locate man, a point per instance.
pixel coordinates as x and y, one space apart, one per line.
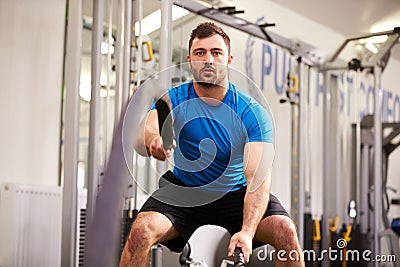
221 140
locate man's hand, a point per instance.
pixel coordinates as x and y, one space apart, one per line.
156 148
244 241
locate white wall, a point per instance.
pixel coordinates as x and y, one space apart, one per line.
31 64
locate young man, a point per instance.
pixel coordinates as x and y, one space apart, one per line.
221 144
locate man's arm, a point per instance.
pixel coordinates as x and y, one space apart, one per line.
258 158
148 140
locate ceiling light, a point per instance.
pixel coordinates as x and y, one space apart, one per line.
378 39
371 47
152 22
387 25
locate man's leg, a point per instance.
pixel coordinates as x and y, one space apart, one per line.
280 232
149 228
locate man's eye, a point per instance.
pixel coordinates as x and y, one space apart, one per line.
217 53
199 53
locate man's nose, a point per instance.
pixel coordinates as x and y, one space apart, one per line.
209 58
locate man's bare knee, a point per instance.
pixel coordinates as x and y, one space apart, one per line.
279 231
148 229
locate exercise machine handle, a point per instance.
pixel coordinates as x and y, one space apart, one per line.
238 258
165 123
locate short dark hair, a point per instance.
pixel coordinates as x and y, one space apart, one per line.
207 29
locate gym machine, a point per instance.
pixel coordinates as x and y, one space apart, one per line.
374 63
364 152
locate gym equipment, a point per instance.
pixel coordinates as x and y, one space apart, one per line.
239 258
364 141
165 123
214 254
195 253
293 86
375 64
364 153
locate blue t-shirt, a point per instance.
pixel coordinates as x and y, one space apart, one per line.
211 138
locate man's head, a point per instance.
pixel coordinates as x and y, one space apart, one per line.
209 55
207 29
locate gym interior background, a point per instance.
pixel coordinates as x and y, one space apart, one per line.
69 68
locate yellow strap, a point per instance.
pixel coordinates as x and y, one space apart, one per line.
317 227
149 50
333 225
346 235
295 83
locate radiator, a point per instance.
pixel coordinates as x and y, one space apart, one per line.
81 231
30 225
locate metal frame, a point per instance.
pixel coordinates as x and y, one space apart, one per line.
388 146
72 78
94 124
374 63
165 56
310 55
297 160
108 240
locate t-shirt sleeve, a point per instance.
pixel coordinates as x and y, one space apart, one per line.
258 124
173 95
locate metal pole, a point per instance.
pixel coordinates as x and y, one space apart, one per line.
137 16
355 38
377 159
166 30
165 54
295 183
326 162
119 48
107 122
126 60
94 127
364 187
72 78
356 183
301 139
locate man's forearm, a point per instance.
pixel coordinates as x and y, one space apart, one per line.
255 205
256 159
147 131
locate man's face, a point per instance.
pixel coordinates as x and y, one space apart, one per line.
209 60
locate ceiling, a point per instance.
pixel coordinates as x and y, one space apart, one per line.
346 17
350 18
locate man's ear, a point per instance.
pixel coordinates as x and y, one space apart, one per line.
188 58
230 59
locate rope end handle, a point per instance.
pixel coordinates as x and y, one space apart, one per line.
238 257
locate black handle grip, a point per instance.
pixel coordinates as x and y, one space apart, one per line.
165 123
238 258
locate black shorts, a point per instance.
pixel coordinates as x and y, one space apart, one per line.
226 212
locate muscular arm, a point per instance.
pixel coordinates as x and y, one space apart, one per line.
257 162
258 157
148 140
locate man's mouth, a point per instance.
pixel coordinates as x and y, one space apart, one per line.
208 70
